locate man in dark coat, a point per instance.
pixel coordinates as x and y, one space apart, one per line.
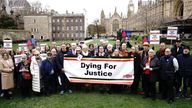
64 82
47 70
185 70
137 69
176 50
168 67
160 53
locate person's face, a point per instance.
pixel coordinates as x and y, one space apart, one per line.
91 47
151 54
118 42
123 46
37 55
78 51
162 46
145 48
101 49
116 52
5 56
167 52
73 47
85 49
63 47
186 51
133 50
49 57
178 44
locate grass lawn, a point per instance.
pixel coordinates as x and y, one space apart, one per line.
91 100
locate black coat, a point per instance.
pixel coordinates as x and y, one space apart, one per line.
174 51
137 63
154 64
185 64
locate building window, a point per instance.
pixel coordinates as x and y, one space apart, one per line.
58 28
76 27
53 34
80 20
63 35
71 20
54 28
67 27
67 34
53 20
34 21
57 20
67 20
115 25
76 20
71 27
81 28
76 34
71 34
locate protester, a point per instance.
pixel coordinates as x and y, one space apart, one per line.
24 76
7 68
37 83
185 71
168 67
123 50
91 50
47 70
150 67
117 45
64 82
137 70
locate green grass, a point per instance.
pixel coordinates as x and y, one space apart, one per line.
91 100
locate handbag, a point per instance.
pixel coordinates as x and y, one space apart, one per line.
26 75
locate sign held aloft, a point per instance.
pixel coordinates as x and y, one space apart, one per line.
172 33
155 37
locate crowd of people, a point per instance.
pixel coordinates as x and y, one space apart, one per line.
170 67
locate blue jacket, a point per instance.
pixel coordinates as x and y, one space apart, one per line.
47 67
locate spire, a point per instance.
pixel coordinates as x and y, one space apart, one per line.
115 10
102 14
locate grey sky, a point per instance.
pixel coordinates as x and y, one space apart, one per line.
93 7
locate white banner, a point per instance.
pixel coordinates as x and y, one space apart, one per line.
17 58
172 33
7 44
23 47
155 37
99 70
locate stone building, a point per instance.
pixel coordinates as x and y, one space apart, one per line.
113 23
40 26
68 26
160 14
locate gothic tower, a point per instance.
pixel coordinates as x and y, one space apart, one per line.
102 17
131 8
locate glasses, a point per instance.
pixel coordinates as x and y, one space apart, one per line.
36 54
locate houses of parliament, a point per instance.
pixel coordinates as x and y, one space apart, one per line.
151 15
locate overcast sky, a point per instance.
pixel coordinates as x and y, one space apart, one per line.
93 7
